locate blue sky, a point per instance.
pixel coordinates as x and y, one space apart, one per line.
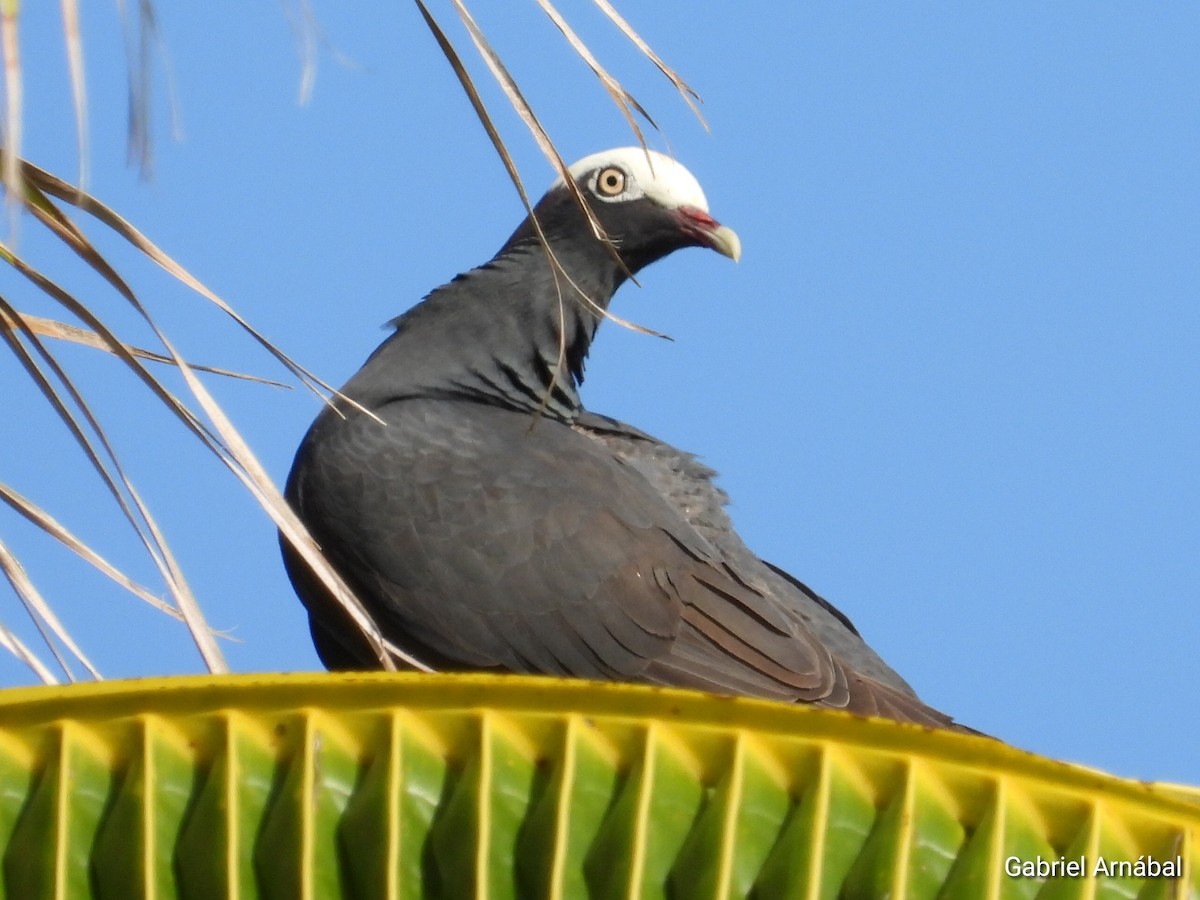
952 384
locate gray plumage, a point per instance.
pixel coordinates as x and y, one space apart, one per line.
489 521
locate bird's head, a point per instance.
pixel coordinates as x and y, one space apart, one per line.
648 204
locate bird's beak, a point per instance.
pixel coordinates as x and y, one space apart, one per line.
725 241
709 232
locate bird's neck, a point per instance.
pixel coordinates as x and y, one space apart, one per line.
514 332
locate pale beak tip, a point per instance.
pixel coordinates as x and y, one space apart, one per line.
726 242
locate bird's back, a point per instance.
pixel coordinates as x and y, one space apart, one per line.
690 486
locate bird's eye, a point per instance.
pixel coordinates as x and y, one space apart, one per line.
610 182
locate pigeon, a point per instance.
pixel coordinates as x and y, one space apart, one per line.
488 521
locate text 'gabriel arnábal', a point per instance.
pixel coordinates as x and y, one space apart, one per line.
1080 867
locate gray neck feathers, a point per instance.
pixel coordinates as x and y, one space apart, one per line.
504 333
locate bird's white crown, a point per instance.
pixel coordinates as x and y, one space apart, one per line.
648 173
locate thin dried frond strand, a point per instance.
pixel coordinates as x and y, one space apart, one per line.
55 187
233 452
153 539
509 85
690 97
477 104
543 139
168 70
14 645
142 37
525 111
12 320
304 28
137 76
118 482
624 100
55 529
143 523
10 49
278 509
73 41
75 427
41 613
74 334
